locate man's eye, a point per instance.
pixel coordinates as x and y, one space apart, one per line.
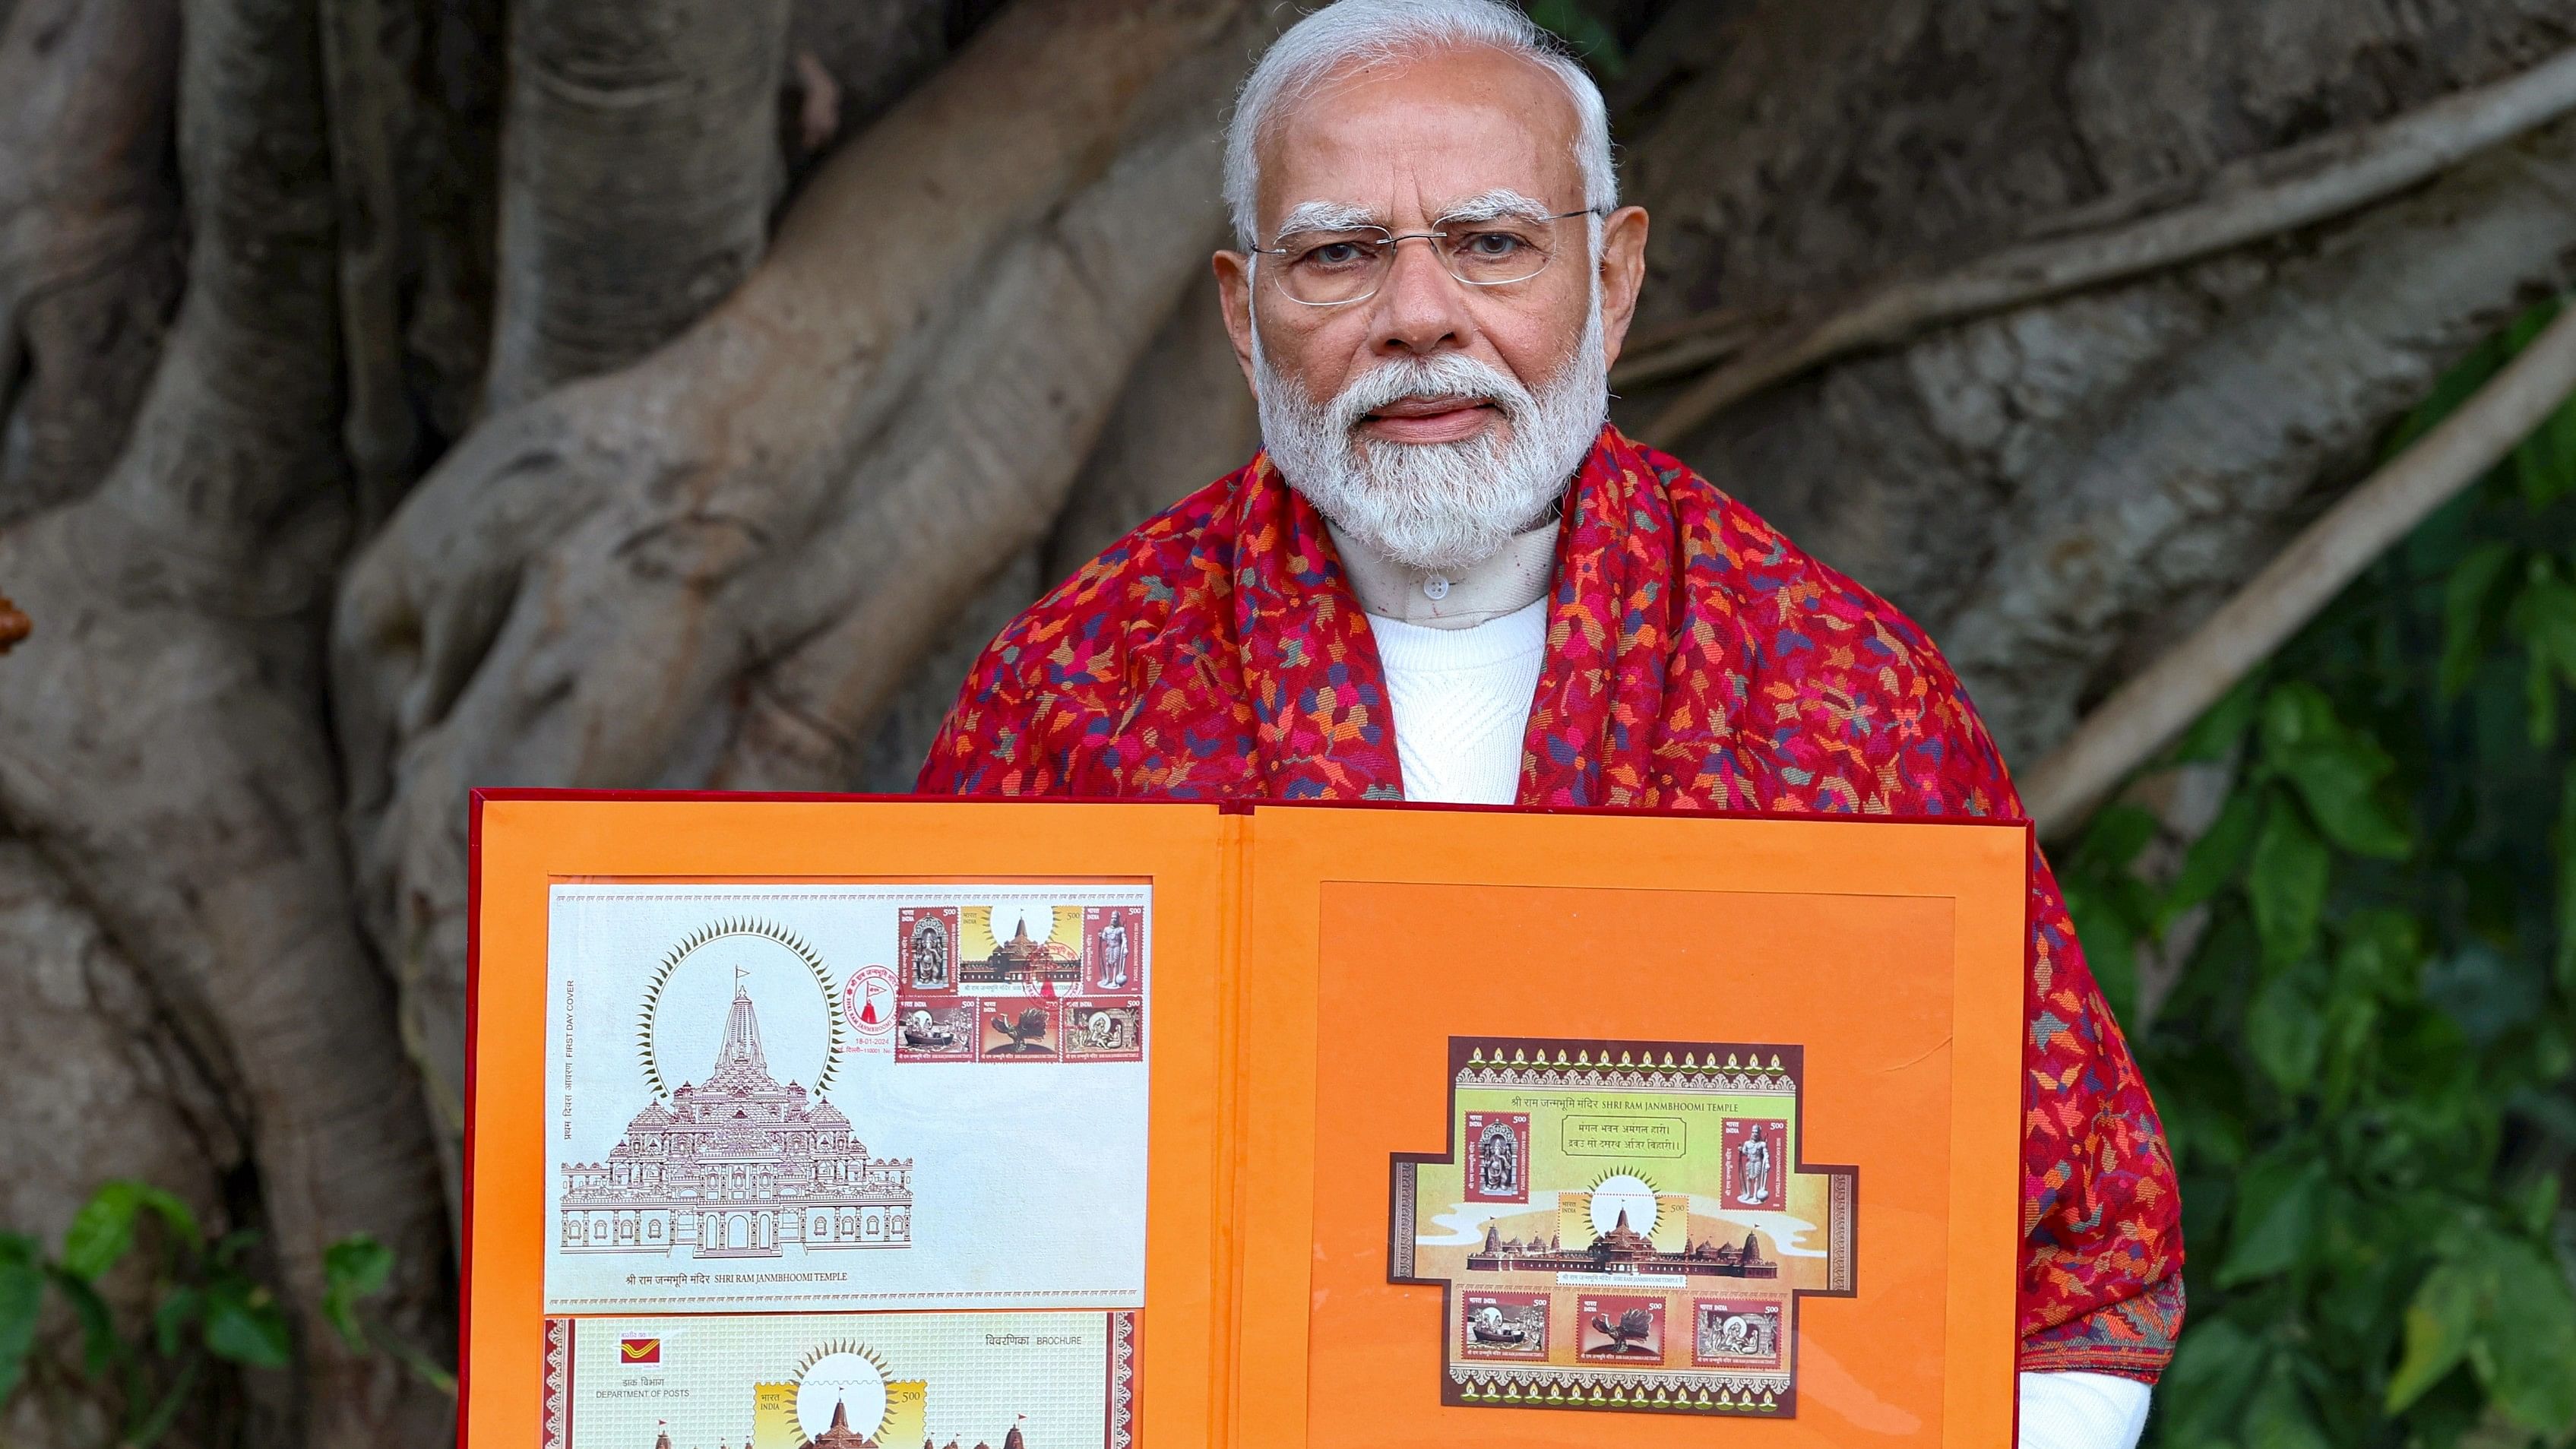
1335 254
1488 246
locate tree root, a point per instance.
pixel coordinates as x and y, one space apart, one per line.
2261 197
687 571
638 167
2156 498
2158 703
162 738
89 220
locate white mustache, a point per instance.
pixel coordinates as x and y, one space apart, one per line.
1451 375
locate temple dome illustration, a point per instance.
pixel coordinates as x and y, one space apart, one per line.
740 1166
840 1435
1025 960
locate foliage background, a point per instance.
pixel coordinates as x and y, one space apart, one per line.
2353 988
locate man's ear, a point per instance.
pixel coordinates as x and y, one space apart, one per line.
1623 273
1234 291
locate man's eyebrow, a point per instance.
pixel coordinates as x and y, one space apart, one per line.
1493 205
1326 216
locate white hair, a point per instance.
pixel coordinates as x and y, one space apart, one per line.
1357 35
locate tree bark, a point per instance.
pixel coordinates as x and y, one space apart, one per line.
638 167
1951 474
716 565
1185 420
102 1085
89 218
161 738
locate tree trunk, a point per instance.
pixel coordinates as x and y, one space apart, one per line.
638 166
717 565
161 739
89 262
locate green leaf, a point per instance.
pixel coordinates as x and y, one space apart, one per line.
2472 611
2285 1029
2281 1417
2216 857
157 1423
2286 882
2116 835
102 1231
176 1215
101 1347
22 1301
2438 1320
2563 841
2462 382
2545 462
353 1268
243 1324
2215 1368
2214 736
2109 948
2525 1350
2275 1218
2543 616
2336 770
170 1321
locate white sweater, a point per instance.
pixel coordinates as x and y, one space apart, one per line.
1462 700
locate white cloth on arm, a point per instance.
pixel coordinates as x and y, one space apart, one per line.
1461 699
2081 1411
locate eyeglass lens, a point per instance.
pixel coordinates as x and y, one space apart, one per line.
1346 265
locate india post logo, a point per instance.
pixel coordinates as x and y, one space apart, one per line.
639 1350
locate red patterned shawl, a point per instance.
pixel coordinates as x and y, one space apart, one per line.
1696 660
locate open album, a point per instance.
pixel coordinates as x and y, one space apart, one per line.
1049 1125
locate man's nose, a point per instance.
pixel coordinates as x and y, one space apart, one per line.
1421 309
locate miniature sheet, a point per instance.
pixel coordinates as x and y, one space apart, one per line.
1623 1225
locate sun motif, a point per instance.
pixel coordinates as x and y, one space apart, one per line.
709 935
982 930
843 1374
1616 1192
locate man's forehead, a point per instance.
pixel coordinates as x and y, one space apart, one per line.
1425 134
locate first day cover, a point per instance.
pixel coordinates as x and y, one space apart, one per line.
802 1098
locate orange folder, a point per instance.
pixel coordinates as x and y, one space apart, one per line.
840 1121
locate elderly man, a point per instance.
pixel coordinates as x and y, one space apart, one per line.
1444 578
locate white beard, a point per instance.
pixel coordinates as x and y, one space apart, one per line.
1437 507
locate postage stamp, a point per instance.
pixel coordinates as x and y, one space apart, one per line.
1498 1156
1620 1328
1105 1028
933 1029
1019 1031
926 944
1112 938
1753 1162
1651 1189
1503 1325
1735 1332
